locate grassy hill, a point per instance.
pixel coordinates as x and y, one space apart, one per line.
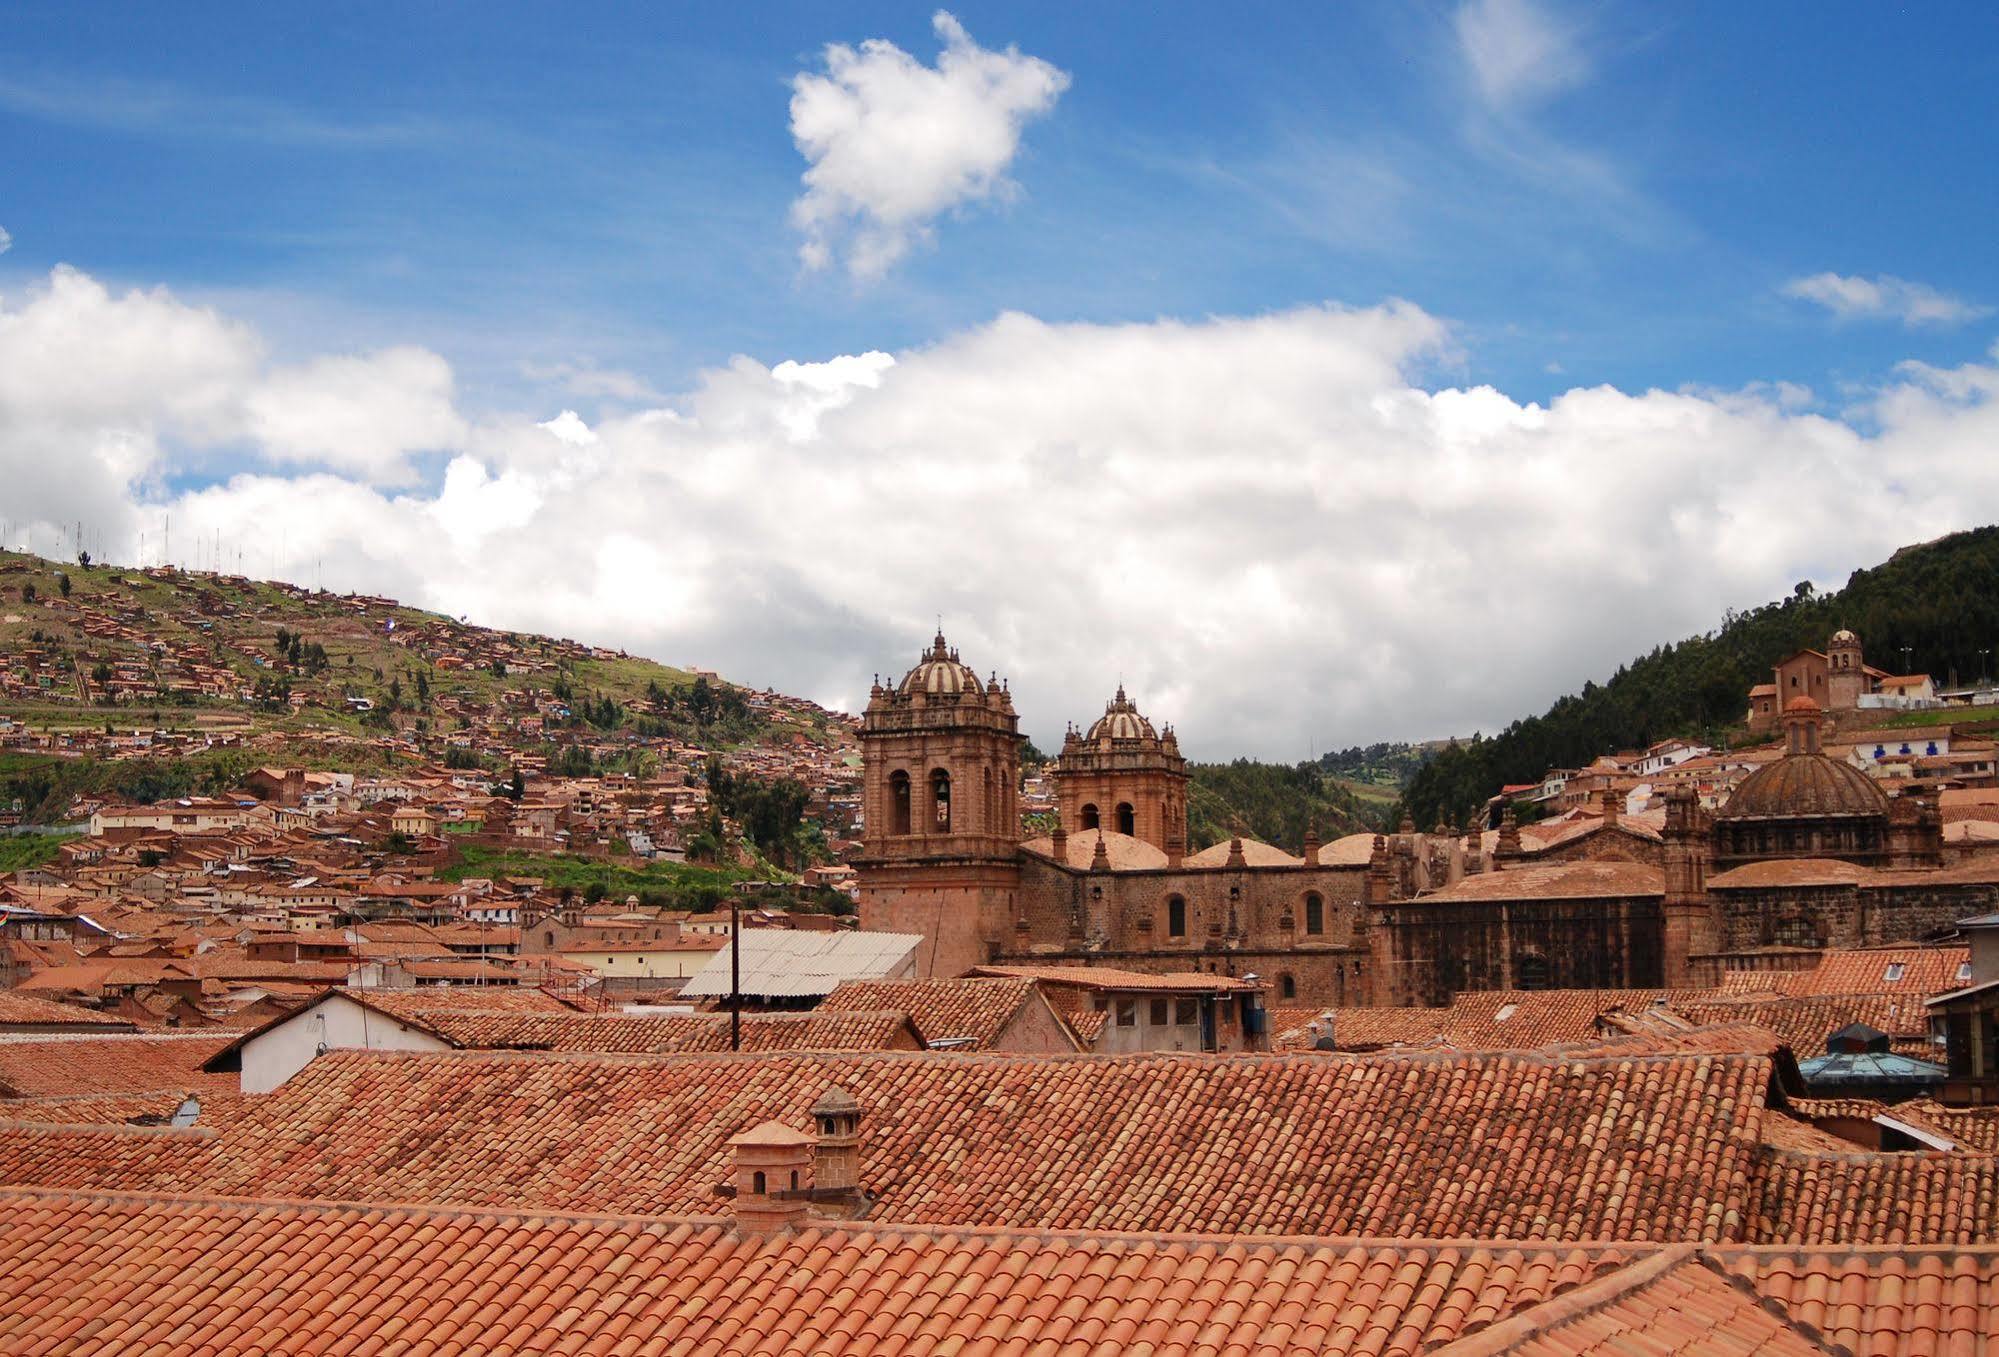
1939 600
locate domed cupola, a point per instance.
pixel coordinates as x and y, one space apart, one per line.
1804 804
1121 721
940 673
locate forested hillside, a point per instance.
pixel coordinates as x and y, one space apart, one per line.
1939 599
1273 802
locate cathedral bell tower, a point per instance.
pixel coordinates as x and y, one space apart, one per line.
940 786
1123 776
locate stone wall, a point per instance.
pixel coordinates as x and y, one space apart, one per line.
1425 953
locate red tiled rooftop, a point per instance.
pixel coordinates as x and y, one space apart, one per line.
52 1066
211 1276
1494 1146
974 1009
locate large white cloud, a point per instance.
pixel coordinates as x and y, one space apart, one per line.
104 393
893 144
1270 527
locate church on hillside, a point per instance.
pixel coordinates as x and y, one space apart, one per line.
1808 854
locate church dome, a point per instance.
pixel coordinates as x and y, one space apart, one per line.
1804 785
1843 637
940 673
1121 721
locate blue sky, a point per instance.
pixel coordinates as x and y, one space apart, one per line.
1185 345
503 182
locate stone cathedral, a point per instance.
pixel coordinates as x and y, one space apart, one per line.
1807 854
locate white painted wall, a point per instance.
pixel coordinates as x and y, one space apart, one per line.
338 1023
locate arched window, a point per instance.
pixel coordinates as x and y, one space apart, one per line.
990 821
940 797
1127 819
1315 913
1090 817
898 803
794 1180
757 1182
1530 971
1287 986
549 937
1176 917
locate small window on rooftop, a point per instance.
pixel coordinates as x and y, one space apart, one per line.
1895 969
1505 1011
1964 970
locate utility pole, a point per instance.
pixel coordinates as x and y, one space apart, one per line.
735 972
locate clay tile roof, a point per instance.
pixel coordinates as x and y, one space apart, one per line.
25 1010
127 1274
1881 1302
640 1034
972 1010
1672 1302
1506 1146
1821 1198
1922 970
1805 1021
53 1066
1494 1020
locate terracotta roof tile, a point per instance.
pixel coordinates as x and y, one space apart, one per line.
1494 1146
640 1035
1490 1020
51 1066
1941 1198
976 1010
26 1010
1882 1302
122 1273
1673 1302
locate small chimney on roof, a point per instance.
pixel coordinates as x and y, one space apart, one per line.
836 1162
1612 804
773 1165
1311 846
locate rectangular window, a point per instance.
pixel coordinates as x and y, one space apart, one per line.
1127 1013
1102 1005
1186 1012
1159 1011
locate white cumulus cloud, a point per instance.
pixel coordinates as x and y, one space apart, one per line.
1273 528
1884 297
893 143
6 240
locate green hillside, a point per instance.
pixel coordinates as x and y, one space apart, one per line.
1270 801
1940 600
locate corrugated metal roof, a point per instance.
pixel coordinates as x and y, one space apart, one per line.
783 963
